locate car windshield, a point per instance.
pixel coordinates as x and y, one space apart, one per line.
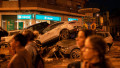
52 27
39 27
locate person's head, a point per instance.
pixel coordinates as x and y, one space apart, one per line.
18 40
36 33
28 34
82 35
95 46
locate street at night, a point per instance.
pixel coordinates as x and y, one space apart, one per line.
59 34
114 56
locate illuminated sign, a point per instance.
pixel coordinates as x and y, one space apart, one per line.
44 17
24 16
71 19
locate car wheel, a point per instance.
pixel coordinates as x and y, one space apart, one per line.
64 34
75 53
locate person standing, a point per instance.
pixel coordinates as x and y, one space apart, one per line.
21 58
30 46
82 35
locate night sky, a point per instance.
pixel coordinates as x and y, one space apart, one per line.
104 5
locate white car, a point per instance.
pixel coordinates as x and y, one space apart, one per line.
107 37
59 30
10 34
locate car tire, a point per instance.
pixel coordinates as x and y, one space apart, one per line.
75 53
64 34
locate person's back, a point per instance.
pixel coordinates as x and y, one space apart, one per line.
30 46
31 49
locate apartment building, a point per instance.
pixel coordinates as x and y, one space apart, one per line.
19 14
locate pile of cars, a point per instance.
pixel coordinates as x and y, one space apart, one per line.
55 35
59 30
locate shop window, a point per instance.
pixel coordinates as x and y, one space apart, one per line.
78 6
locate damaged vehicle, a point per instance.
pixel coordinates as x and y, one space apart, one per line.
59 30
64 49
69 47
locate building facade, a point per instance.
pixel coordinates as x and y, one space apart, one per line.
18 14
115 25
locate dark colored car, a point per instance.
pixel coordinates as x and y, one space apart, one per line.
69 47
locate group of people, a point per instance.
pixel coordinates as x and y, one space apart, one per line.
25 51
93 49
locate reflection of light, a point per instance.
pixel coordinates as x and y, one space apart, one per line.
97 15
19 16
3 21
30 22
17 24
24 24
37 21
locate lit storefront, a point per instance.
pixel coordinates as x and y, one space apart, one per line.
71 19
9 22
46 18
21 21
24 21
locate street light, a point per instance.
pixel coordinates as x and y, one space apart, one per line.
97 15
97 19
